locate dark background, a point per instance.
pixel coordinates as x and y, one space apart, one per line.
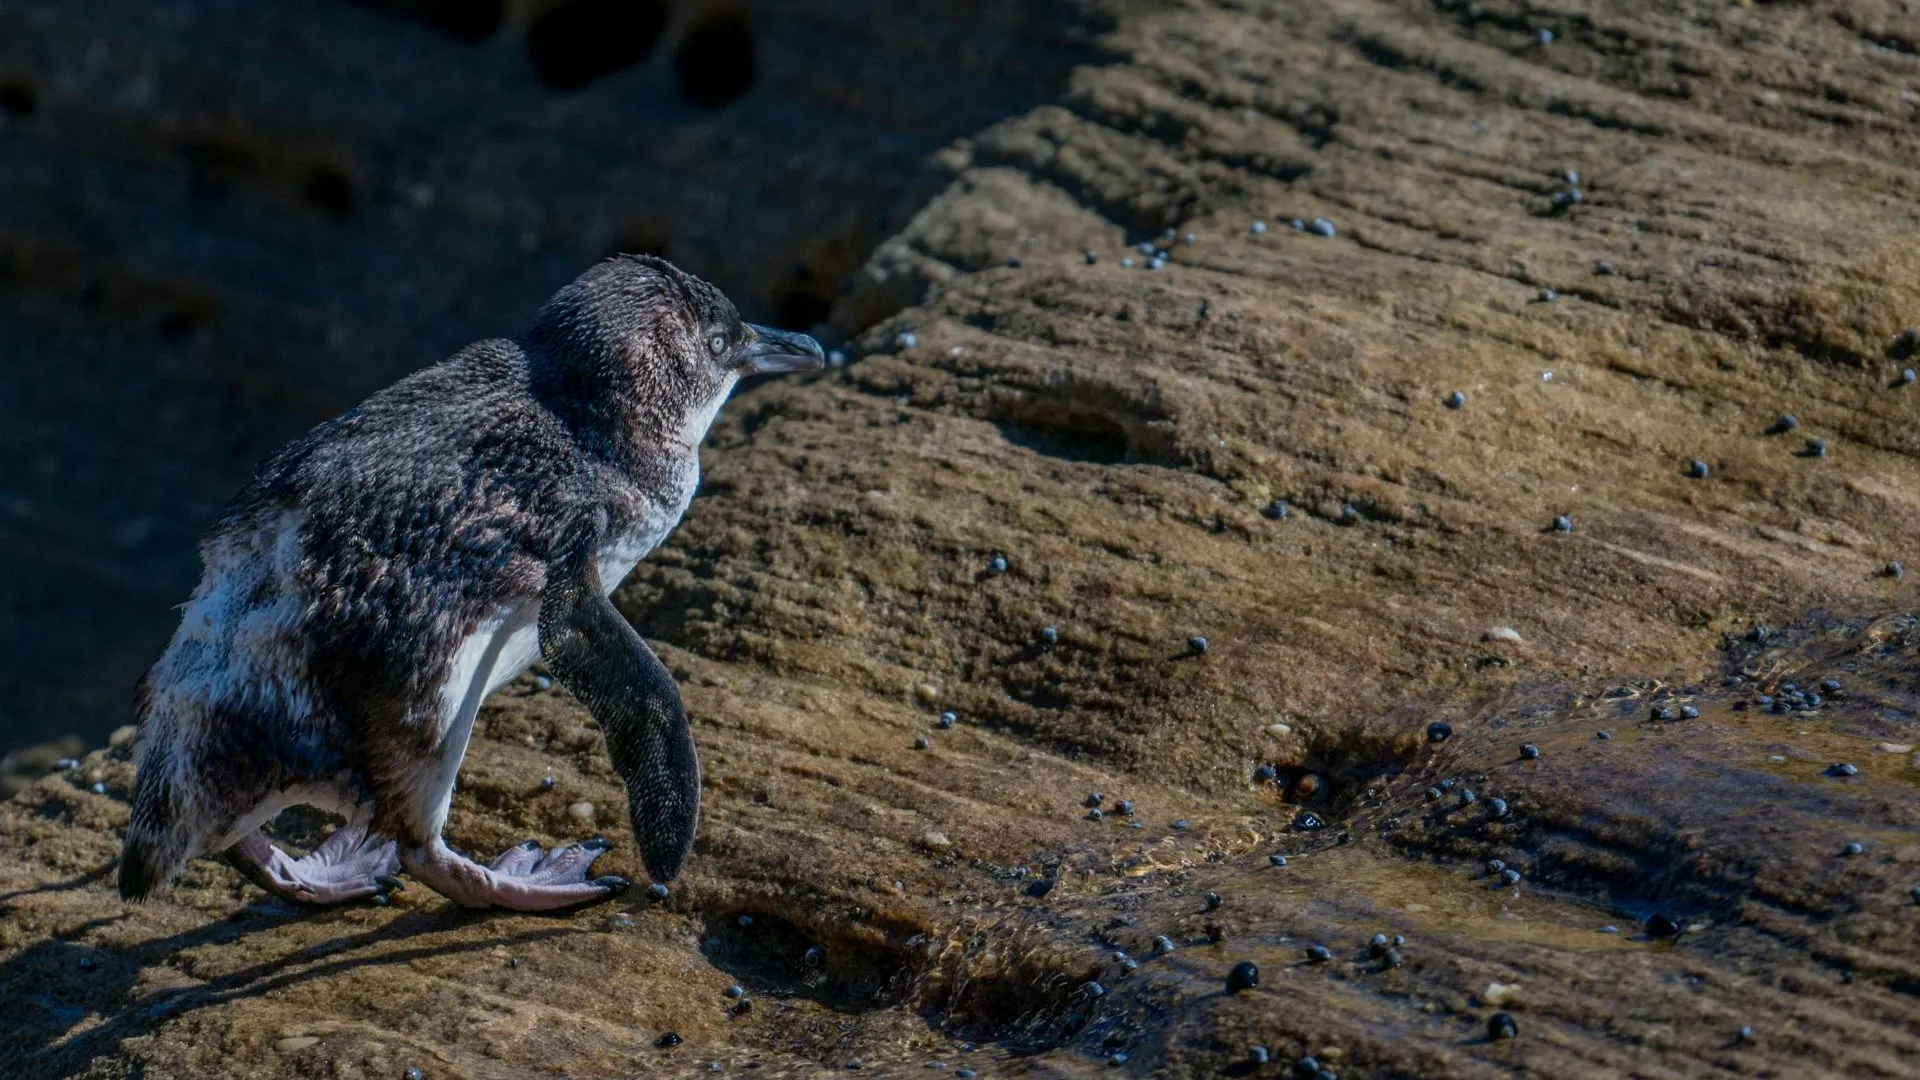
223 221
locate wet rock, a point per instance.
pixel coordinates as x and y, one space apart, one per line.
1243 976
1501 1025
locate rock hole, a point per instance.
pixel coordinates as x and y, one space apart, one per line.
580 41
1086 437
769 957
716 60
17 99
329 191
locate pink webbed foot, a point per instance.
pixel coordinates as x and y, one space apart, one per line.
525 877
348 865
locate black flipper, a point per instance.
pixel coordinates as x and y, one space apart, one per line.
590 647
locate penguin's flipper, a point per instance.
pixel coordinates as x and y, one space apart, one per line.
590 647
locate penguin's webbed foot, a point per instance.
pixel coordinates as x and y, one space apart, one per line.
348 865
525 877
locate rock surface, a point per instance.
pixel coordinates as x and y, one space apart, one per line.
1119 435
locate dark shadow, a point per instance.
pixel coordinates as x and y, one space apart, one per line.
17 99
56 982
80 882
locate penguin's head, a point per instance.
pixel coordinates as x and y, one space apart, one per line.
638 343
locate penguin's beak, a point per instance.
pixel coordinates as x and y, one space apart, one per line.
781 350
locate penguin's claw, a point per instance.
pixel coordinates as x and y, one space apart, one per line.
389 883
613 883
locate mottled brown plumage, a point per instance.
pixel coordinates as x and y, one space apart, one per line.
382 573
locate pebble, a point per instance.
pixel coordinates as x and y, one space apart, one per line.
1842 768
1244 976
997 564
1127 262
1197 643
1094 989
1259 1055
1563 524
947 720
296 1042
837 358
1456 400
1787 422
1162 945
657 891
1049 635
1698 470
581 811
1117 1058
1688 712
1497 807
668 1040
1013 262
907 339
1307 785
1816 448
1278 511
1895 570
1265 774
1433 794
1547 296
1603 734
1277 860
1510 877
1494 866
543 682
1214 901
920 742
66 764
746 920
815 956
1466 796
1916 894
1529 751
1907 376
1307 1067
1377 947
1831 686
1545 37
98 789
1439 731
1320 954
1501 1026
1745 1033
1661 926
548 783
1321 227
1852 849
1090 256
1603 268
735 991
1094 798
415 1074
1126 807
1095 814
1182 824
1259 227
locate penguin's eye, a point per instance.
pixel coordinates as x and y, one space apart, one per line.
718 344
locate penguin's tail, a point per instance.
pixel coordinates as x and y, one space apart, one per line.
157 844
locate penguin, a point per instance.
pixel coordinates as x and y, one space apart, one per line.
382 574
